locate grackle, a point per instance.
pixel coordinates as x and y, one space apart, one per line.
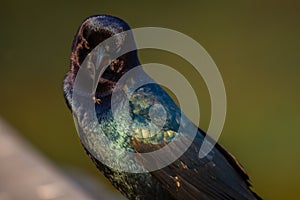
216 176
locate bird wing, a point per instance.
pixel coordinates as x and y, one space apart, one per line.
216 176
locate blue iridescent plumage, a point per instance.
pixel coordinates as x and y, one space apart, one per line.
217 176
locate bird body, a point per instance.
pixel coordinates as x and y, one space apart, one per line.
216 176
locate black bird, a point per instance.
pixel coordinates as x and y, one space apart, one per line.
217 176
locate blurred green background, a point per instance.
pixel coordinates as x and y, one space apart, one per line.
255 45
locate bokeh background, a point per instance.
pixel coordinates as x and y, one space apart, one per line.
255 45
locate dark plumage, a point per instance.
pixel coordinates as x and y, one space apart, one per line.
217 176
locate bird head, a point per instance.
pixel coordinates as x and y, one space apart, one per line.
95 30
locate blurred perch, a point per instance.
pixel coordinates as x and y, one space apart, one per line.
26 175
